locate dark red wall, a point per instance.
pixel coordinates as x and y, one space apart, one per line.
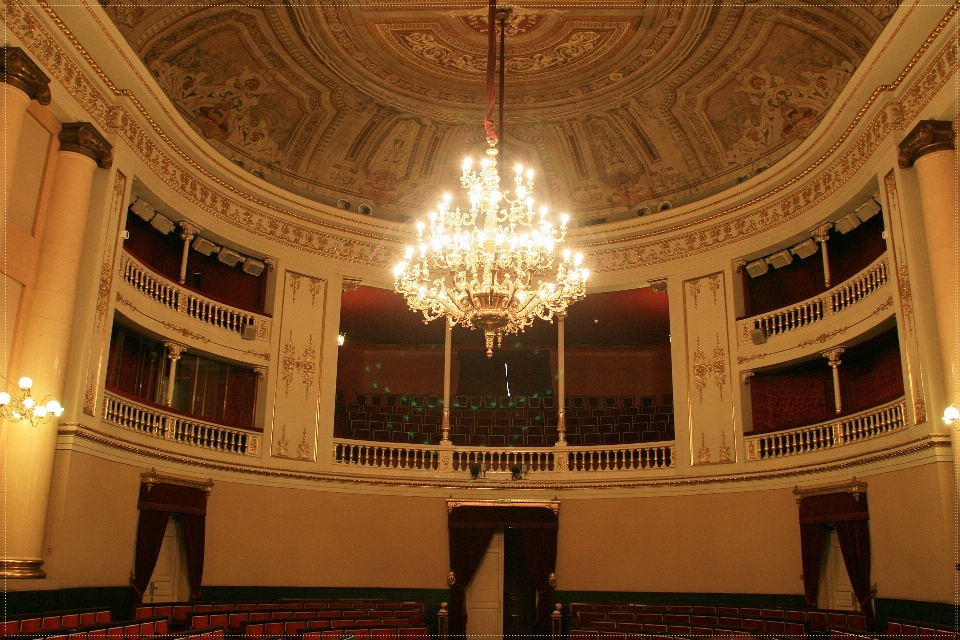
802 279
163 253
870 373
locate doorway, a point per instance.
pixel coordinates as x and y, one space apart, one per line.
169 580
501 596
519 590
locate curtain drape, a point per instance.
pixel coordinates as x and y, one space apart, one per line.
854 537
150 531
538 547
467 546
193 527
811 549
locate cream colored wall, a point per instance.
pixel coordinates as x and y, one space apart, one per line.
736 542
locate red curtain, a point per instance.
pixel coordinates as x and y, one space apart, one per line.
150 531
157 502
854 537
811 548
539 550
467 547
193 527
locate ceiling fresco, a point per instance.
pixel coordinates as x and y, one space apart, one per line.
616 107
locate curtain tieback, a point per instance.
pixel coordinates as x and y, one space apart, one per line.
451 579
552 580
133 585
867 598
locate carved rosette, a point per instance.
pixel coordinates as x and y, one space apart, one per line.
926 137
18 70
83 138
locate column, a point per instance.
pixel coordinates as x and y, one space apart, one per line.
833 359
821 234
447 357
188 232
20 82
174 351
29 451
930 148
561 384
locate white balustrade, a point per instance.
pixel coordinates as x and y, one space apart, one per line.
621 458
811 310
156 422
188 302
825 435
385 455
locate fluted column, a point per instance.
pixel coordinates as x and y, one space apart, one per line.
833 359
561 383
174 351
20 82
447 370
29 451
821 234
188 232
930 148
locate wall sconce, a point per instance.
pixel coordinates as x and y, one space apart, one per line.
26 407
341 339
950 415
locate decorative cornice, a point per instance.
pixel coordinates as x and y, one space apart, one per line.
855 487
18 70
83 138
151 478
553 505
928 136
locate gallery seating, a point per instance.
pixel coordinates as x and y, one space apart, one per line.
117 630
505 421
52 621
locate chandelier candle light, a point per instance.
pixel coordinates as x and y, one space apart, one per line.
489 267
26 407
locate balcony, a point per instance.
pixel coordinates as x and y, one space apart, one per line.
845 295
167 293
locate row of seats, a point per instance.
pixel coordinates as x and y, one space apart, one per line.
589 421
697 625
909 629
583 614
233 615
130 630
52 621
289 622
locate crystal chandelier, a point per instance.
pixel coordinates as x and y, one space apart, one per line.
491 267
26 407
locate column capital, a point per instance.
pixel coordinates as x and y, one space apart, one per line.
188 230
83 138
928 136
349 284
271 263
18 70
174 349
739 264
833 356
659 285
261 371
745 377
821 233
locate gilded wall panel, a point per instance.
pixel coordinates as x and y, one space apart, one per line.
297 394
710 407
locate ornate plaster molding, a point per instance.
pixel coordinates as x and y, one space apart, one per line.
83 138
18 70
928 136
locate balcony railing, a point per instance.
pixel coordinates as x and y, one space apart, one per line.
865 425
156 422
384 455
844 295
191 303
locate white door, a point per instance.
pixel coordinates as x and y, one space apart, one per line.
165 580
836 592
485 594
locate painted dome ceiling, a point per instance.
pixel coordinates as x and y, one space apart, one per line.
616 108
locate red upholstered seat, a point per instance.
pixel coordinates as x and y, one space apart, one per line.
383 634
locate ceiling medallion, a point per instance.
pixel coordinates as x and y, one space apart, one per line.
483 268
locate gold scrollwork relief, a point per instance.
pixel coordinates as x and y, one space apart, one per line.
281 451
716 367
306 364
703 454
694 291
303 450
